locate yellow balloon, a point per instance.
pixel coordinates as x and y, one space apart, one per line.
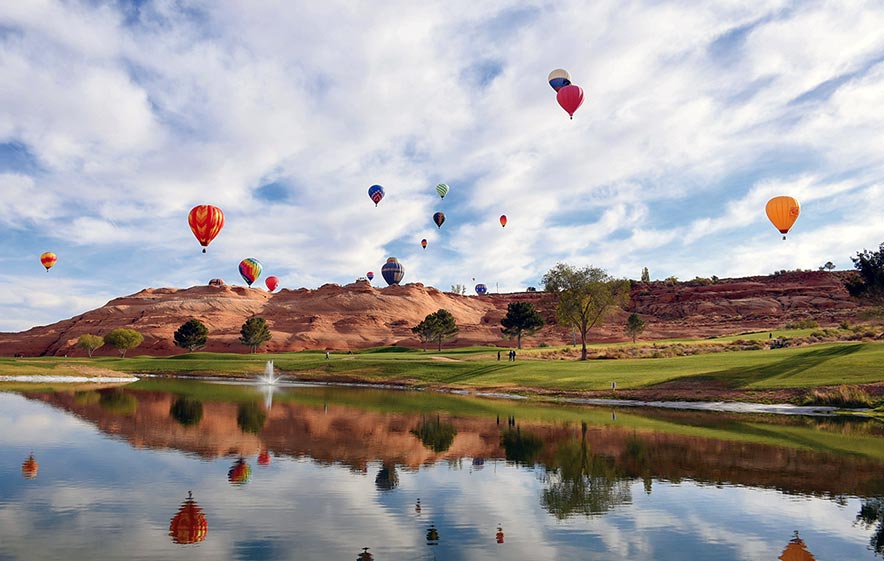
783 212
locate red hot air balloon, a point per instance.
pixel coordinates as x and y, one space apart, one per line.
189 526
503 220
48 259
271 282
570 98
369 275
206 222
264 458
424 243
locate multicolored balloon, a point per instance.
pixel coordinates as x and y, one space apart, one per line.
481 289
240 472
393 271
271 282
442 189
250 269
503 220
559 78
206 222
48 259
783 212
369 275
439 218
189 526
424 243
376 193
570 98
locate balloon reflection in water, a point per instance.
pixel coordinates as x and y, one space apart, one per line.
189 525
264 458
796 551
30 467
365 555
240 472
499 535
432 535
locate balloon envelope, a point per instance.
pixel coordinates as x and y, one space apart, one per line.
30 467
239 473
393 271
570 98
250 269
442 189
48 259
376 193
481 289
205 222
439 218
369 275
503 220
424 243
783 212
559 78
272 283
189 525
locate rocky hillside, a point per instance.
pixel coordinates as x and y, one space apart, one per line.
359 315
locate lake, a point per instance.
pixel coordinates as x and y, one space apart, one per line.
183 469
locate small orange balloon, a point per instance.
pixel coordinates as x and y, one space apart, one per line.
48 259
783 212
503 220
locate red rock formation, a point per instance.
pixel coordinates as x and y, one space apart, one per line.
358 315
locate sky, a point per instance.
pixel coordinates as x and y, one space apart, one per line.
116 118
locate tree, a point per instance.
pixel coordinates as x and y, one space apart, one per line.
521 317
829 266
192 335
586 296
445 326
646 276
250 417
459 289
187 411
870 265
123 339
634 326
90 343
435 434
254 333
425 331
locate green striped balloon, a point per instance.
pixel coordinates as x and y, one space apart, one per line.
442 189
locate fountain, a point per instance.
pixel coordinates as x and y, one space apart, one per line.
269 376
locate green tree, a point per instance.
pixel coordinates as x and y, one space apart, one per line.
425 330
870 265
634 326
829 266
123 339
459 289
445 326
90 343
254 333
192 335
586 296
521 318
646 276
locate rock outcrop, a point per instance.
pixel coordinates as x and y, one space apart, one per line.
359 315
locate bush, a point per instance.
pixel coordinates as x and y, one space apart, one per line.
842 396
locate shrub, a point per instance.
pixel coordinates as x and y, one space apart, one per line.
842 396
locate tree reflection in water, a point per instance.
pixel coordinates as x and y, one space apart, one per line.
187 411
579 482
871 513
435 434
387 478
521 448
250 417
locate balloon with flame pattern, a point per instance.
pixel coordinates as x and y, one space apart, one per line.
30 467
205 222
189 525
376 193
48 259
250 269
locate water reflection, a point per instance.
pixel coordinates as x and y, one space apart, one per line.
395 472
30 467
796 550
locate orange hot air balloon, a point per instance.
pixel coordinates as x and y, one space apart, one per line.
503 220
783 212
189 525
206 222
48 259
264 458
30 467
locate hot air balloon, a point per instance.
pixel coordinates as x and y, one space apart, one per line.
439 218
189 525
48 259
376 192
393 271
250 269
499 535
205 222
424 243
503 220
369 275
271 282
570 98
264 458
559 78
783 212
442 189
30 467
240 472
481 289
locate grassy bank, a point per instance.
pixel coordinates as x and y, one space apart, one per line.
806 367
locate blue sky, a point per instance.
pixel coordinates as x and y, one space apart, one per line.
117 117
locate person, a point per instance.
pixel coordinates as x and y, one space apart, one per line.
498 355
326 355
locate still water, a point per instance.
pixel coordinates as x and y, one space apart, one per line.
177 469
